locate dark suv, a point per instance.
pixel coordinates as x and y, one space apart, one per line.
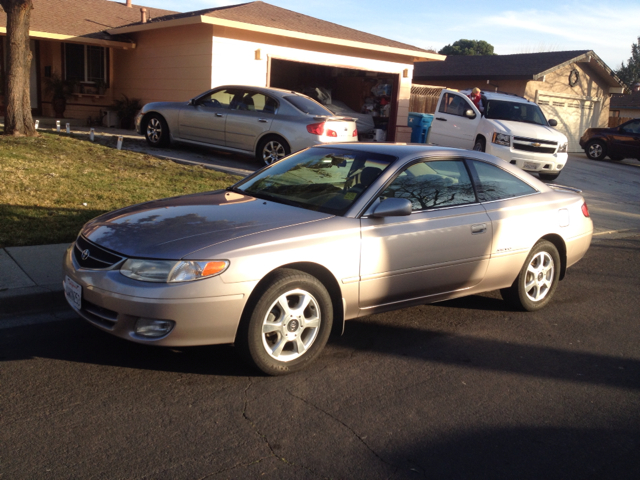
616 143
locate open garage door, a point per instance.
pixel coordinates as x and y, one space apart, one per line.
574 116
370 97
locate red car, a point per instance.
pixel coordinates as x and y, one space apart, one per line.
616 143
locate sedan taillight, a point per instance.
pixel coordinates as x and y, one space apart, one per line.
355 132
316 128
330 133
585 209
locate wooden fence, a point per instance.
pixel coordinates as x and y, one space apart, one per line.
424 99
615 121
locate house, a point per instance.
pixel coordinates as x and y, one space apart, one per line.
626 107
158 55
572 87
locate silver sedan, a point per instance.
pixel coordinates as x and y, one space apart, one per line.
269 123
329 234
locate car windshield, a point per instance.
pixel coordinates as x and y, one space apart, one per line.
320 179
515 111
307 105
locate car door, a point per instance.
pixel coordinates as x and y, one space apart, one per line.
249 116
626 142
203 119
450 126
444 245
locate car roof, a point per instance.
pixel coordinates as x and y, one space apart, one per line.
509 97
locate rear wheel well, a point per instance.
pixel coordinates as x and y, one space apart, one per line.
558 242
315 270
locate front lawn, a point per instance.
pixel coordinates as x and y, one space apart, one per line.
51 185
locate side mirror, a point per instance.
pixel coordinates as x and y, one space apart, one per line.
470 114
191 102
392 207
553 123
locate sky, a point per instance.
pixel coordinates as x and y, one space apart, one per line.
609 28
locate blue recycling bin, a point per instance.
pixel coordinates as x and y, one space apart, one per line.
420 124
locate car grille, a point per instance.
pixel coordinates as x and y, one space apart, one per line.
89 255
534 145
98 315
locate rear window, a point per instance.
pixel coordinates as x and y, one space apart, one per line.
307 105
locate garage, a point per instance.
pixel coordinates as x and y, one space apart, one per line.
574 115
370 97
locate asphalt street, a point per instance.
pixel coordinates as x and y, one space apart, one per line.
463 389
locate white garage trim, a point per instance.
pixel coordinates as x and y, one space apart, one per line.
574 113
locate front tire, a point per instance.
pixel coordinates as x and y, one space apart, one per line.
480 145
156 131
286 326
596 150
271 149
548 176
538 279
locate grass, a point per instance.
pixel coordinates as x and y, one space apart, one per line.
53 184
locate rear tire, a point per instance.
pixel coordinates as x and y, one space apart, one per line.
156 130
537 280
596 150
271 149
287 324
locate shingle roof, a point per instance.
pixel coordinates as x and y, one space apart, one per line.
518 66
82 18
266 15
625 101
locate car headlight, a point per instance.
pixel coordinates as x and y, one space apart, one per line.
169 271
563 147
501 139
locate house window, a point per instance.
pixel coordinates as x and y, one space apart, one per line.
85 63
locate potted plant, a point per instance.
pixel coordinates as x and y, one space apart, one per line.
60 90
126 108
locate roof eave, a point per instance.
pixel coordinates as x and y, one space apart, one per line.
414 55
124 44
594 62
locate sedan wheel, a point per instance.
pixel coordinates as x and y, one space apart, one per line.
157 131
272 149
537 280
288 325
596 150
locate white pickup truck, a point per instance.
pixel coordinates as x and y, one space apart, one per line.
510 127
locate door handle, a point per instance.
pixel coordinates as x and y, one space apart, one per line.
218 115
441 119
478 228
262 120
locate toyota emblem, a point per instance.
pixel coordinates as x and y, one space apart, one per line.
85 254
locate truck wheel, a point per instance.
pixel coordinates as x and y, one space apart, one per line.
480 145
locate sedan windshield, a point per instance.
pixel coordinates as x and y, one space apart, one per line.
321 179
514 111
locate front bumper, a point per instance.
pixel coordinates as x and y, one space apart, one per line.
530 162
205 312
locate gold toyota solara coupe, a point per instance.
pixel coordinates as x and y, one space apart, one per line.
335 232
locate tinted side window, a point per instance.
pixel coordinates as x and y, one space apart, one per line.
307 105
496 184
219 98
433 184
632 127
453 104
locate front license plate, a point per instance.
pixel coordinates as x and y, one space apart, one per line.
530 166
73 292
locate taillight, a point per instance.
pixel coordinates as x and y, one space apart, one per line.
316 128
585 209
355 132
330 133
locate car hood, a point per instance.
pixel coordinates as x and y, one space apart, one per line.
173 228
529 130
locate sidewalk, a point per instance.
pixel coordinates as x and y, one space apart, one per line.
31 279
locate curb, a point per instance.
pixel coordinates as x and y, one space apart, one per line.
44 298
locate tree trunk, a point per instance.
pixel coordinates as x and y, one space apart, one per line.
17 119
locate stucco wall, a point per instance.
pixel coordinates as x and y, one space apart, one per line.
170 64
589 87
